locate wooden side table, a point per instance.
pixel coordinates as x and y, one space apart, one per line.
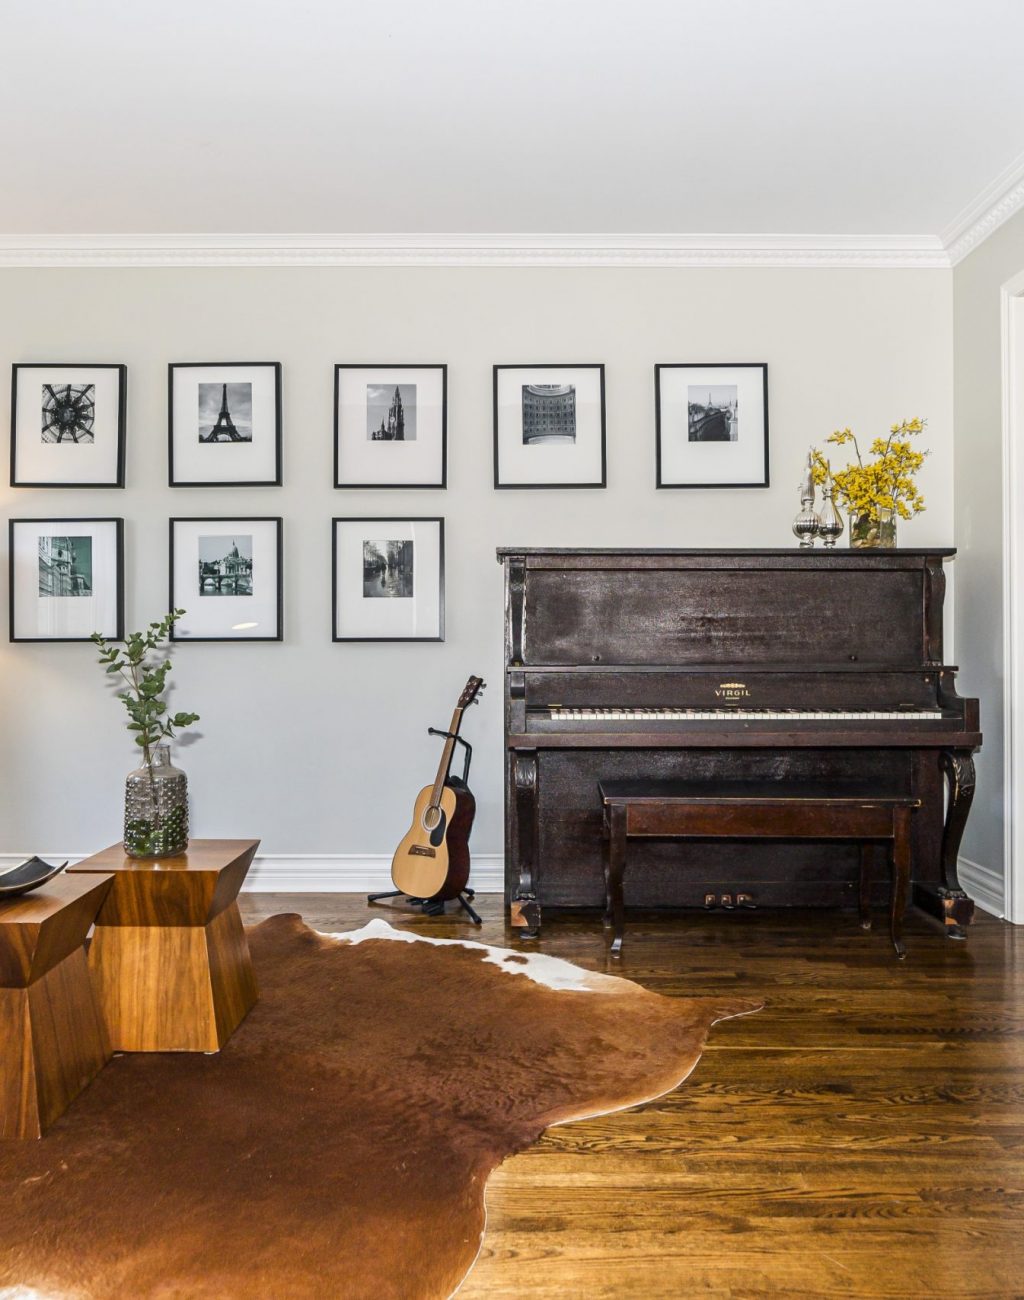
53 1041
169 958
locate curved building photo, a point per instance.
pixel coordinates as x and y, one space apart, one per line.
549 413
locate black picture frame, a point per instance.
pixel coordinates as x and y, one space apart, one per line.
396 487
369 519
278 521
709 365
122 422
550 365
118 523
277 479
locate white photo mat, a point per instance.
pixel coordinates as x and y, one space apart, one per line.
35 616
211 463
739 463
94 463
419 617
362 462
580 464
213 617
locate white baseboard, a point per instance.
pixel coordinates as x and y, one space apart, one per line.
984 885
320 873
357 873
351 873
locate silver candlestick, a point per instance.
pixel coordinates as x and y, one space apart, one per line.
830 529
807 524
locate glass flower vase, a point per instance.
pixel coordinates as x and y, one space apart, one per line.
156 808
873 530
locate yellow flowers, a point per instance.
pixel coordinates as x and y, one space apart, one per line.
883 484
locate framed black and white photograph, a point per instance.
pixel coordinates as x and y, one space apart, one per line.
388 577
66 579
712 425
390 426
549 426
227 574
224 424
68 425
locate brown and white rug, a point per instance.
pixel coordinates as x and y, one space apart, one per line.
340 1144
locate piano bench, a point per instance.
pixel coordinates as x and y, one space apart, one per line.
757 810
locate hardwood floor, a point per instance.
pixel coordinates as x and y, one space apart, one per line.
862 1135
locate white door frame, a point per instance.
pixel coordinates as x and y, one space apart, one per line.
1012 312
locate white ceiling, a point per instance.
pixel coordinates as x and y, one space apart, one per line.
829 117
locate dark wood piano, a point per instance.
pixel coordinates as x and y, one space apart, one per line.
785 665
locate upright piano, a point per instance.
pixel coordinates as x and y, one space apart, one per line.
781 665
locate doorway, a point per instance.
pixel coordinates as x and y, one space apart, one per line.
1013 596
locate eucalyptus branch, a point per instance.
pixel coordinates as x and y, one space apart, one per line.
146 680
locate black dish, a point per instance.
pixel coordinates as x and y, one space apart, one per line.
30 875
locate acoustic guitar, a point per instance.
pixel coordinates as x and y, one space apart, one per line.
432 861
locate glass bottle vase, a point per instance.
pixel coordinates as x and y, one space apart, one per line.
156 808
830 528
873 530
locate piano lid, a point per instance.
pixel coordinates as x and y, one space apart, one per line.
789 553
734 608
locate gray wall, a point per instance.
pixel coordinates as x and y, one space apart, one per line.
319 748
978 488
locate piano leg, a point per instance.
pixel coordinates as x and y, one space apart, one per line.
948 901
900 878
524 908
616 848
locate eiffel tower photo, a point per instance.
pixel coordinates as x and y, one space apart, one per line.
224 430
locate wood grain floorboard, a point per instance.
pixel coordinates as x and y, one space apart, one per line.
861 1136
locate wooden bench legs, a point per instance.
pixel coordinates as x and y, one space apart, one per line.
900 867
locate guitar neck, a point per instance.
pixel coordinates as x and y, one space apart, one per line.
446 758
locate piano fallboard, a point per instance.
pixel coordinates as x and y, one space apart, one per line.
837 686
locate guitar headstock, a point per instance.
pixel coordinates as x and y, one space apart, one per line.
471 691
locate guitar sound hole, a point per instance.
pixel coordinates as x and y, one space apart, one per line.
431 818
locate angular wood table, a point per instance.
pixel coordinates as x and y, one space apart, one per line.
169 959
53 1041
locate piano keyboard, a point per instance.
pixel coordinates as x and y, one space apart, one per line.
559 714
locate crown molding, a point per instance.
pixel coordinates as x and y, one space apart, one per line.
837 251
986 212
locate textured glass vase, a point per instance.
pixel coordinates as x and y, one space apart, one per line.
156 808
867 531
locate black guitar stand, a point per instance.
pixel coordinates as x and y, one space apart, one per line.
431 906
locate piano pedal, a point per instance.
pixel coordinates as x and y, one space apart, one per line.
710 902
747 901
727 903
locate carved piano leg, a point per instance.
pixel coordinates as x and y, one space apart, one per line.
900 878
524 909
949 902
616 865
867 857
606 916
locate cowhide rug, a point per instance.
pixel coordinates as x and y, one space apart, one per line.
340 1144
